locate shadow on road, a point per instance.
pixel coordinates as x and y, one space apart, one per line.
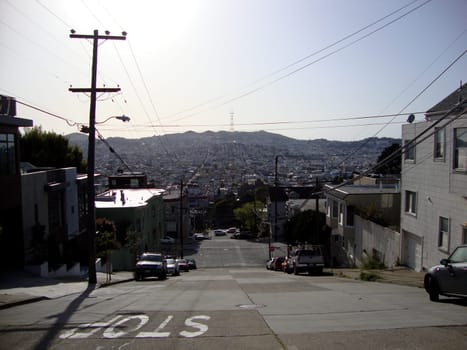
62 319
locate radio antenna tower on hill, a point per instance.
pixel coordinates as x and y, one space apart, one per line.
232 121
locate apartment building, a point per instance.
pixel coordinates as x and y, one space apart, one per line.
434 183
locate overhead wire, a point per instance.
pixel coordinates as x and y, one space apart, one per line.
410 102
141 76
252 91
414 142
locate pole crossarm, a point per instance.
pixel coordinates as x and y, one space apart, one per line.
96 89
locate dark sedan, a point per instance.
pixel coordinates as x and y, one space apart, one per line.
450 277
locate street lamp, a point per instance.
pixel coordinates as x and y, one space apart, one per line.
91 194
123 118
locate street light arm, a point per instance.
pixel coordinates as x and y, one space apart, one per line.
123 118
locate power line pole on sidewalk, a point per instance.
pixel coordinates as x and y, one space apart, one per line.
91 219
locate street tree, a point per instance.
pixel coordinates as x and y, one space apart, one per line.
393 165
48 149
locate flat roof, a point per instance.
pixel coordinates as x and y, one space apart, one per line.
132 197
347 190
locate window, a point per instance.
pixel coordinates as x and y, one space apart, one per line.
7 154
443 235
334 209
341 214
411 202
409 151
350 214
464 234
460 149
439 143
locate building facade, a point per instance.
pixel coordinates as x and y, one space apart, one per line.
11 231
54 214
138 214
434 183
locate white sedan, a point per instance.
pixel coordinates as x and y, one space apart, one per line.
167 240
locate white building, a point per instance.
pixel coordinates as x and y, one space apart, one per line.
434 183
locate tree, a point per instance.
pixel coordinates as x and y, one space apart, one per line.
48 149
302 228
247 214
393 166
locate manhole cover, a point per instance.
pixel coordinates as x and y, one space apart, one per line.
250 306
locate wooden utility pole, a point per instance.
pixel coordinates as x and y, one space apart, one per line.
181 219
91 219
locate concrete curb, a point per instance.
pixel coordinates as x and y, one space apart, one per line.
24 301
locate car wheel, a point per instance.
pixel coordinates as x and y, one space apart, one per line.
295 270
163 277
137 277
432 289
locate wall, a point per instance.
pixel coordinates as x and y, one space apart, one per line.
370 236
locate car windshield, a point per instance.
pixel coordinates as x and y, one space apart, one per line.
170 261
459 255
151 257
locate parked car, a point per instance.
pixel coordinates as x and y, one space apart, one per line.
219 233
167 240
183 265
275 263
242 235
231 230
286 265
450 277
191 264
269 264
199 237
150 265
309 260
172 267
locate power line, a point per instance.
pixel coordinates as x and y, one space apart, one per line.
209 101
414 142
252 91
411 101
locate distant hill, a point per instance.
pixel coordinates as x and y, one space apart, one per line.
279 143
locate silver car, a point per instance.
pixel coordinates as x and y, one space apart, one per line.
172 267
449 278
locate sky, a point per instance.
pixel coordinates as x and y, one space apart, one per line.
307 69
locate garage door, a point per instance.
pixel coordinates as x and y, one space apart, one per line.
412 251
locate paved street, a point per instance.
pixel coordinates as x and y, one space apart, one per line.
238 307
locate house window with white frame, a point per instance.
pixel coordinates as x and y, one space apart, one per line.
443 234
464 234
409 153
460 149
410 202
439 143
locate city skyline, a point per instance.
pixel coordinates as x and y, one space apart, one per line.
340 70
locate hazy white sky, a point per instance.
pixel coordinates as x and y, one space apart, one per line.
199 65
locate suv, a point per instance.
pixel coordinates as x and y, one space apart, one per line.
449 278
310 260
151 265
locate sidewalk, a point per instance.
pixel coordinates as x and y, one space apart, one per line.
20 287
397 275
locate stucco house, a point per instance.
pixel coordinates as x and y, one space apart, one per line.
434 183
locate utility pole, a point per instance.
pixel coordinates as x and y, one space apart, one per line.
181 219
91 219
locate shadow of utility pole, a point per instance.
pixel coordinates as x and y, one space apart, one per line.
62 319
